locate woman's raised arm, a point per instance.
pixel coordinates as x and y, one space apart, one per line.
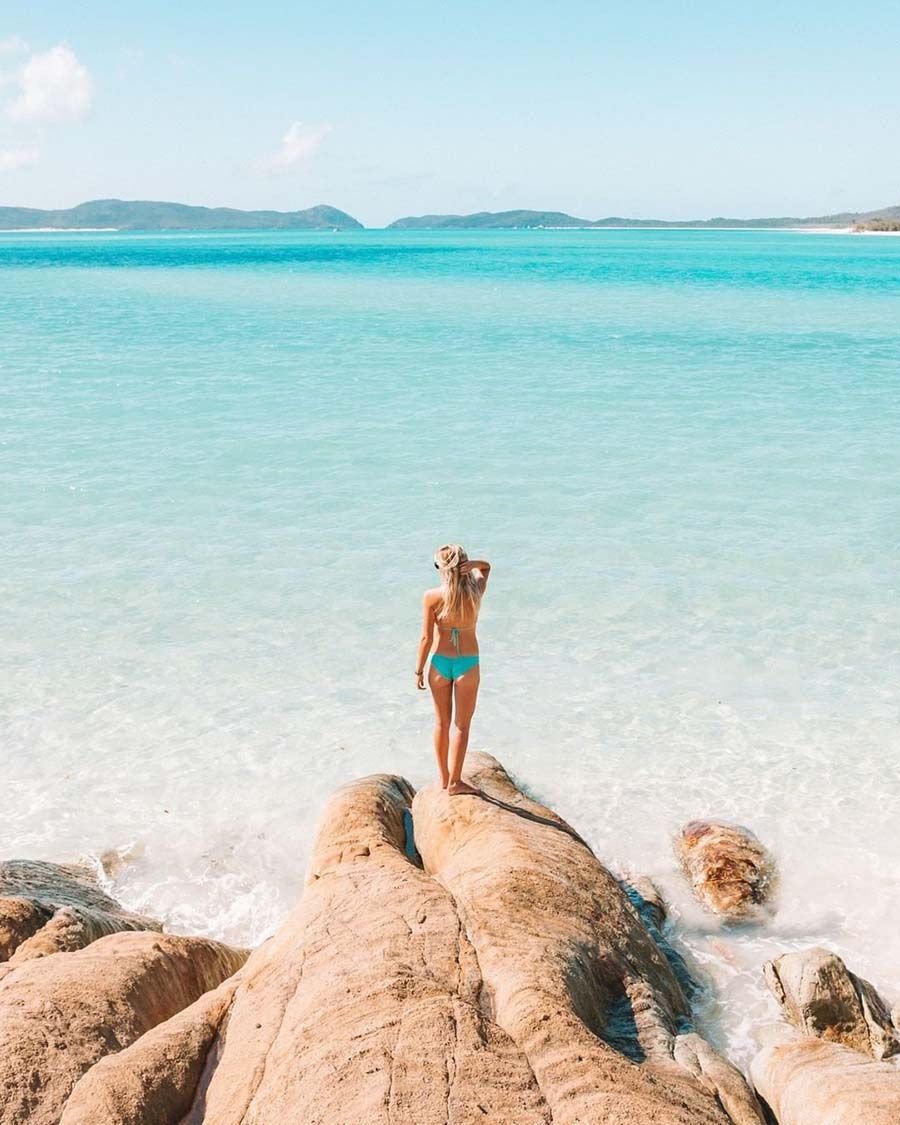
481 565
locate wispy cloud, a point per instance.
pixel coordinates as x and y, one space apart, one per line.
297 145
11 159
13 45
53 86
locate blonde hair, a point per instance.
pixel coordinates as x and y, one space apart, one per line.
461 593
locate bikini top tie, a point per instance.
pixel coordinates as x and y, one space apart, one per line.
454 634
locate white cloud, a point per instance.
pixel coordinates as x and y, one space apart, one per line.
298 143
53 86
13 45
11 159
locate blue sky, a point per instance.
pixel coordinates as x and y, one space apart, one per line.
644 109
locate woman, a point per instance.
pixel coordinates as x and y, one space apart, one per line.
448 633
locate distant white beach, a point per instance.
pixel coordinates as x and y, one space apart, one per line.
56 230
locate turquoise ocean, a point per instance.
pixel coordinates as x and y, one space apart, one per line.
226 460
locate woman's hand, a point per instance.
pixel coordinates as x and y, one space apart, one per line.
420 681
466 567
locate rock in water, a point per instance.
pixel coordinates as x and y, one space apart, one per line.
49 908
729 870
813 1082
820 996
644 894
570 971
61 1013
825 1077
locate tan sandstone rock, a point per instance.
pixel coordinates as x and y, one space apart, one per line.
390 996
156 1080
820 996
814 1082
50 908
729 870
61 1013
365 1007
570 971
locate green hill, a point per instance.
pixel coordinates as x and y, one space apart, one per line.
124 214
530 220
491 220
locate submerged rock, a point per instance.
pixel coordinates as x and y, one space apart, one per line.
814 1082
820 996
50 908
729 870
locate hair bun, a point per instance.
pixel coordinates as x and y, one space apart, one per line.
450 557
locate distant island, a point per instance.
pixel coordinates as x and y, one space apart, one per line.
531 220
122 214
148 215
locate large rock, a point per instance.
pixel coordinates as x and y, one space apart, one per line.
814 1082
820 996
570 971
366 1007
384 998
61 1013
51 908
729 870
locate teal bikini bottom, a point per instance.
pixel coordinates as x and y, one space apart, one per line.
452 667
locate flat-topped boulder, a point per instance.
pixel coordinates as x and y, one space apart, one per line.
729 870
819 995
51 908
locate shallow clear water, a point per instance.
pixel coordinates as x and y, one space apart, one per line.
226 460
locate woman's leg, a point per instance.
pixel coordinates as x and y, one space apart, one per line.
465 696
442 694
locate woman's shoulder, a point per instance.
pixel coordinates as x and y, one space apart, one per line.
433 596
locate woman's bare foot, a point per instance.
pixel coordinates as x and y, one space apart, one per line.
461 788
